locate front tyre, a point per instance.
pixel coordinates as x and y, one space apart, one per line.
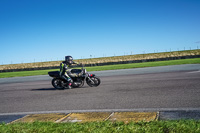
93 81
57 83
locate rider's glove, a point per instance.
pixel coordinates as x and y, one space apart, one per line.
75 63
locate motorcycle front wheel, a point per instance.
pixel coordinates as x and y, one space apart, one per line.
57 83
93 81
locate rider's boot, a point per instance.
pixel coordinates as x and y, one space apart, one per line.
69 81
69 86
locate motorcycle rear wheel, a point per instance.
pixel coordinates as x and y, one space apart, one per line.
57 83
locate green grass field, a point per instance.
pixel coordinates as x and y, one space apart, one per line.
180 126
107 67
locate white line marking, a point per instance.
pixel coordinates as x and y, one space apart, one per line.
109 116
194 71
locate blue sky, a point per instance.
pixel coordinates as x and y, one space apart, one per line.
45 30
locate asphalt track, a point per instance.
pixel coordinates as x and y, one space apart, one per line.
168 88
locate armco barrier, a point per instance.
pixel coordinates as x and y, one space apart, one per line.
106 63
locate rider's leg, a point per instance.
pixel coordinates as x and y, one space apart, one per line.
69 80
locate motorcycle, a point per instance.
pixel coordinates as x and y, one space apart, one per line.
59 83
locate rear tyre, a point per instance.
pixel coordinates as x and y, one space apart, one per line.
94 83
57 83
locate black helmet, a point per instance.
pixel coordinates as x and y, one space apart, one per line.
69 60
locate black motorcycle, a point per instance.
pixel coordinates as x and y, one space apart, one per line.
59 83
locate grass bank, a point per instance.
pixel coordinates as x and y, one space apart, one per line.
107 67
181 126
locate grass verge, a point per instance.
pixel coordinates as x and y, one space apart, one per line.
107 67
179 126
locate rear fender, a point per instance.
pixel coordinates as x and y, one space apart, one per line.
54 74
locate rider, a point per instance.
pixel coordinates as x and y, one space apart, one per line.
65 72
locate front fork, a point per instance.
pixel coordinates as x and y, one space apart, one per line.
89 77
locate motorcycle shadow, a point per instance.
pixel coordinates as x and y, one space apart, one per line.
45 89
54 89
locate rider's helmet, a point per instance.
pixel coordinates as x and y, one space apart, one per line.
69 60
